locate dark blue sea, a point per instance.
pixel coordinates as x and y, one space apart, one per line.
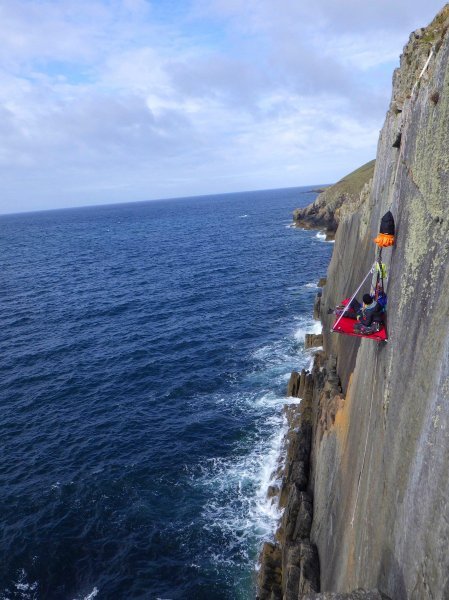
145 353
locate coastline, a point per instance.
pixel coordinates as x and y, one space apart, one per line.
291 562
376 463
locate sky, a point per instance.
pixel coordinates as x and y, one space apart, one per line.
105 101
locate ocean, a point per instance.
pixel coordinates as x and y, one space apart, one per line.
146 350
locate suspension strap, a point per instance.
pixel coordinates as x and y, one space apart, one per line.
352 297
380 274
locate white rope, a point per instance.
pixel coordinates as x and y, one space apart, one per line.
352 298
423 71
406 115
366 446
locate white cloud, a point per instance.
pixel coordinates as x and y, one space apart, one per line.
127 99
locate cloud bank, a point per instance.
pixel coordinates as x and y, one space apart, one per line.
122 100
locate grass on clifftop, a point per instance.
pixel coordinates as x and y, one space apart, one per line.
353 183
336 202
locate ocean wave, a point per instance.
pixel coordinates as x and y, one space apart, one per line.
309 326
89 596
311 285
239 510
22 588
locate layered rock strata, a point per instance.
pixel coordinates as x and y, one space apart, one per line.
359 594
313 340
379 461
290 566
381 472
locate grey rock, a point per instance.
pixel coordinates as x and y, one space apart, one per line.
293 385
310 569
297 517
313 340
273 491
317 306
381 514
270 573
359 594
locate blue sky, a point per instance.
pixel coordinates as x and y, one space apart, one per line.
121 100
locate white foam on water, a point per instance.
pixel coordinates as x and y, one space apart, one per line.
275 353
269 400
23 589
311 285
274 363
268 507
317 327
91 595
239 508
243 216
239 512
307 326
321 236
285 377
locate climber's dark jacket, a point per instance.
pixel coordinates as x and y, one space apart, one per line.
367 315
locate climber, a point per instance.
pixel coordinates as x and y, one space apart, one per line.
369 317
362 312
351 312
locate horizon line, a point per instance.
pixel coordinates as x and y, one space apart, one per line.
121 203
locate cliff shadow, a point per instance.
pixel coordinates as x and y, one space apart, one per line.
390 578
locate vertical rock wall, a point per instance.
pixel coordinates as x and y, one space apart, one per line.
380 471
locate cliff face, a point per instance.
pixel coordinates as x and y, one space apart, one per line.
370 447
380 467
337 201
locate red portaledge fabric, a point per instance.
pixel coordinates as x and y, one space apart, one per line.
346 326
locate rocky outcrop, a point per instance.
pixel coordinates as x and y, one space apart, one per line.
313 340
317 302
336 202
290 567
317 306
270 574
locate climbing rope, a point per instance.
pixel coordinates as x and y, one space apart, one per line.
366 444
379 274
423 70
407 113
352 297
